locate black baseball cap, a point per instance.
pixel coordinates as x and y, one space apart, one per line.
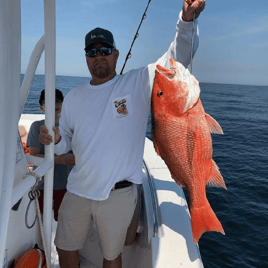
99 35
58 95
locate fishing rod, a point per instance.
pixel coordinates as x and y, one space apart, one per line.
135 37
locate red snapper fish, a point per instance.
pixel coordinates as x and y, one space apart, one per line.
181 135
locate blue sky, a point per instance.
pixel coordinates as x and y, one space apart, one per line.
233 45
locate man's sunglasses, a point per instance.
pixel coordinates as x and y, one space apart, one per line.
104 51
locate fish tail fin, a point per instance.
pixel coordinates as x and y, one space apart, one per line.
213 125
204 220
215 178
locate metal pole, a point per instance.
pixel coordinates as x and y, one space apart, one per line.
50 51
10 67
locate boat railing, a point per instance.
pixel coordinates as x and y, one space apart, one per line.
155 208
30 71
21 189
13 97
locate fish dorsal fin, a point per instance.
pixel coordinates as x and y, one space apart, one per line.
215 179
213 125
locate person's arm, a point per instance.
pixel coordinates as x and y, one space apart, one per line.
62 135
67 159
35 151
180 48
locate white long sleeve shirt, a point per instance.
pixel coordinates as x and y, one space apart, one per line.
105 125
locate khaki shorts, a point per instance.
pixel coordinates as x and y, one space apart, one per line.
112 218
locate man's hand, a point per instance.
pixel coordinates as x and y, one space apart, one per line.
190 7
68 159
45 138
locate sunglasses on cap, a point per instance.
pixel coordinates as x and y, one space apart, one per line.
104 51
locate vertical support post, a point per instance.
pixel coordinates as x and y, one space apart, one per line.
10 68
50 52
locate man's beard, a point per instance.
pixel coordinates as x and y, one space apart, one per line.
101 72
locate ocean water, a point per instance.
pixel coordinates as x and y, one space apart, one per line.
242 156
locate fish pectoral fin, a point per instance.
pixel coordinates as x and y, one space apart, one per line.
213 125
215 179
192 123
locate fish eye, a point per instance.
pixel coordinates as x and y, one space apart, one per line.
160 94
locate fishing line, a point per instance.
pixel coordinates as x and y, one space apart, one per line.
192 41
192 45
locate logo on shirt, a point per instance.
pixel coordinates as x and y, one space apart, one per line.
122 107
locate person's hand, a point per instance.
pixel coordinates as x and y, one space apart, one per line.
45 138
68 159
190 7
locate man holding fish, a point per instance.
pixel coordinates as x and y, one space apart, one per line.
104 123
